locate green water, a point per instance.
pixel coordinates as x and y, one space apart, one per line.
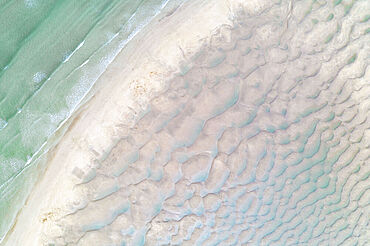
51 54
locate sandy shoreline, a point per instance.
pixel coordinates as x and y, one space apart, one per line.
129 82
258 135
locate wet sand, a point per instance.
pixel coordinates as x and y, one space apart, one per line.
123 92
242 125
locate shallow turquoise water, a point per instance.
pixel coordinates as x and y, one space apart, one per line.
262 139
264 147
52 52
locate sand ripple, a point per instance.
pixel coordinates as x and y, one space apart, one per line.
263 139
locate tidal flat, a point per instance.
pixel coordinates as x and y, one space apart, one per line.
196 122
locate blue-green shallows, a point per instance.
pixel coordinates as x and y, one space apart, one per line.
51 54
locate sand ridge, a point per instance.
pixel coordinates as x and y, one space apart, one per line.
135 75
260 137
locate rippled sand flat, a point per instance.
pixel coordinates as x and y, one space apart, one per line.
260 136
51 54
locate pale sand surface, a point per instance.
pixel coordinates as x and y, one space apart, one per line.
260 136
126 87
